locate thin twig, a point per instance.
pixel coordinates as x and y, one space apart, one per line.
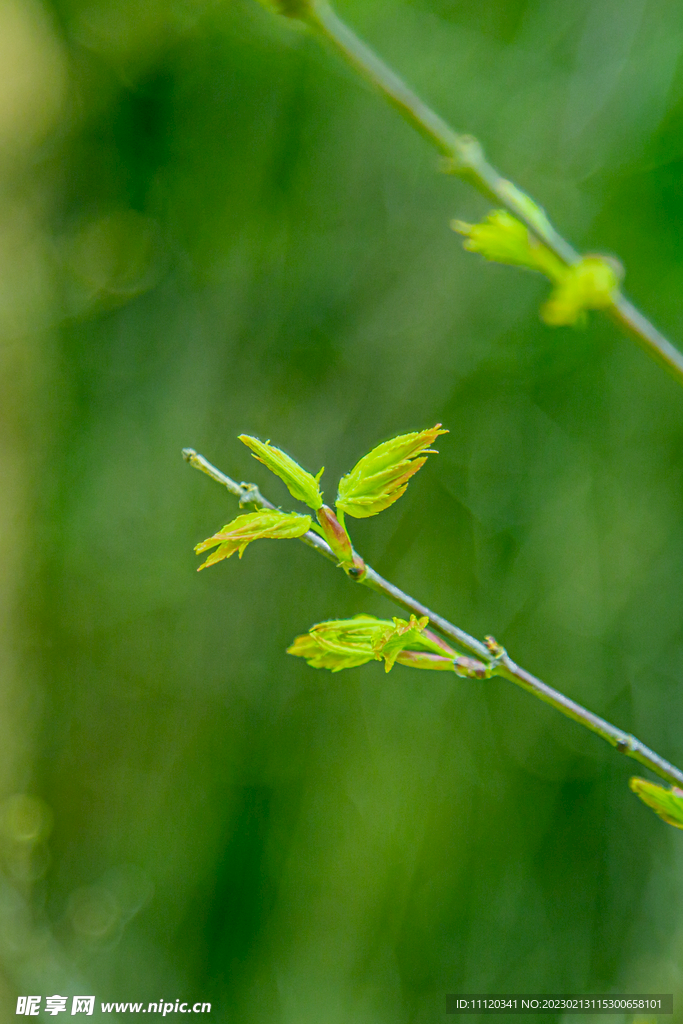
647 336
504 666
464 156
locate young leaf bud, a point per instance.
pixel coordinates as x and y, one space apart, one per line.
497 649
345 643
590 284
502 238
253 526
319 655
471 668
667 803
382 476
335 534
357 569
300 484
423 659
403 636
340 643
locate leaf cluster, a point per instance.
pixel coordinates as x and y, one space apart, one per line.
375 482
346 643
378 480
591 283
253 526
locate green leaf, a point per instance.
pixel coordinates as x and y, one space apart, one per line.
667 803
381 476
300 484
404 636
347 643
590 284
339 643
502 238
253 526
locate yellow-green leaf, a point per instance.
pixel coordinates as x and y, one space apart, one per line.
667 803
347 643
590 284
300 484
502 238
253 526
403 636
340 643
381 476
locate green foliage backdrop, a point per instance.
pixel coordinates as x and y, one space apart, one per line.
209 227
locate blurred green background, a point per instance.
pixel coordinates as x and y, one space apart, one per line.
208 226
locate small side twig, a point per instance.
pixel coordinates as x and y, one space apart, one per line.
494 656
463 156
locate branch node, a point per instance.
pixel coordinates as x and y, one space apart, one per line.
471 668
250 495
497 651
468 156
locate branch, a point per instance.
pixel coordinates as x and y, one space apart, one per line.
496 659
464 157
